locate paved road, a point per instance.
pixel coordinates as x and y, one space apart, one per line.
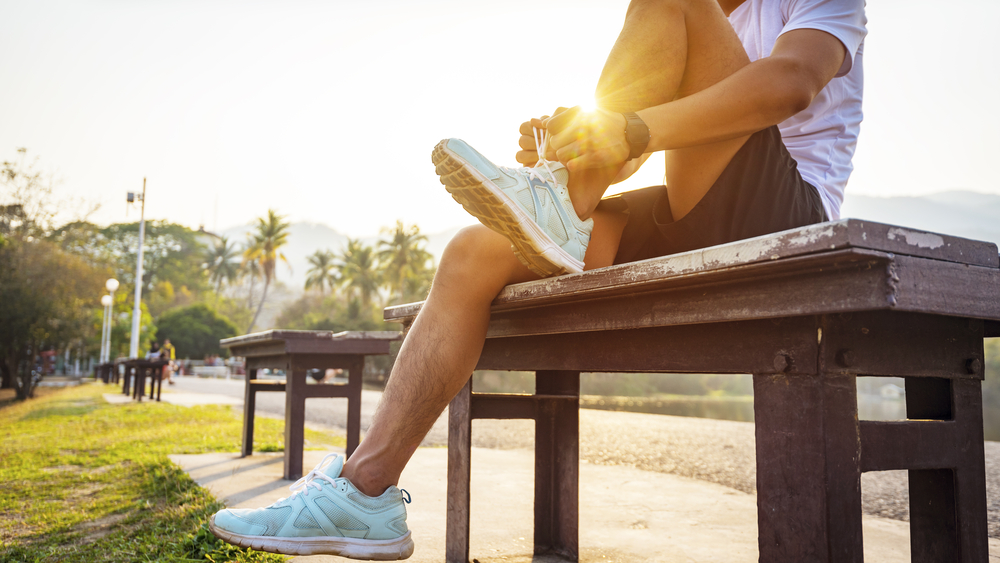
718 451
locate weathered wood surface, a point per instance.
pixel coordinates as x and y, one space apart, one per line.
874 343
279 342
863 244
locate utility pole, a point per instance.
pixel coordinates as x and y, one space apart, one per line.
133 351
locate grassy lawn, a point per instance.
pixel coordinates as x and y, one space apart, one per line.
83 480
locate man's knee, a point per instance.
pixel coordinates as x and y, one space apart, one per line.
468 244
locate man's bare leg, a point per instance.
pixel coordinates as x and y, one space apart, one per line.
443 345
696 47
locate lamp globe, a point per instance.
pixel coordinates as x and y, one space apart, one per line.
111 284
106 300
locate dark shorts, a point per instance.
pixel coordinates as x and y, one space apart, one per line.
759 192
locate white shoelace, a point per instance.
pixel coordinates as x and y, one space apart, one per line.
541 143
310 479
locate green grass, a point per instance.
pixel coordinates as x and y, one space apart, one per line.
83 480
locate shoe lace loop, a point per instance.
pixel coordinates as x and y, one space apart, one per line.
542 143
312 479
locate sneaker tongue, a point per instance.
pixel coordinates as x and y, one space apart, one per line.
336 466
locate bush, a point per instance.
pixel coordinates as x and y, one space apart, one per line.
195 330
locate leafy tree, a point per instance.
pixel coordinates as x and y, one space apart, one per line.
195 330
322 271
405 262
359 274
222 263
264 251
171 253
26 208
47 298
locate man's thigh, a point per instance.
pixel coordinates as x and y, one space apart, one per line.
671 49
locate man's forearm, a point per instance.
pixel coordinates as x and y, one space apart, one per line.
763 93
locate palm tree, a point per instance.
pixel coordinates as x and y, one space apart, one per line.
403 260
358 272
322 272
263 252
221 263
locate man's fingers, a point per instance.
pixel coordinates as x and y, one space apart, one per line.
526 157
567 137
569 152
559 121
527 143
528 127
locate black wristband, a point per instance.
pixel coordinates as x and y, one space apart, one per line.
637 135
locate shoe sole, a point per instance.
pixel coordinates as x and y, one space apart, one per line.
487 202
366 550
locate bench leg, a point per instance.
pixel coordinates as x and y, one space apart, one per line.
459 475
355 372
249 404
126 380
557 465
139 385
948 521
295 421
808 473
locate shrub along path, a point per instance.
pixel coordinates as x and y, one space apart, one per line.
84 480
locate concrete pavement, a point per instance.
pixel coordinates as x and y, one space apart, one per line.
627 515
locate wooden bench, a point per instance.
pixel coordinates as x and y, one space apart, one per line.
137 370
296 352
105 372
806 312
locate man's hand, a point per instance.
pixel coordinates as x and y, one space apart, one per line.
585 140
528 155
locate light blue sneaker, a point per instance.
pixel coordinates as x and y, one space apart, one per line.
325 514
529 206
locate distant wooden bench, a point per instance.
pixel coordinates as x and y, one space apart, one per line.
105 372
806 312
296 352
137 370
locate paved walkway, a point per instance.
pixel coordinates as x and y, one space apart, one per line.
714 452
627 515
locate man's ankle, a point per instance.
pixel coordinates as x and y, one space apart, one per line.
363 482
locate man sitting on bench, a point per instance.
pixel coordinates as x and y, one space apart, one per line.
756 105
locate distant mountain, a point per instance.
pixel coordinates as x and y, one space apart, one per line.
961 213
306 238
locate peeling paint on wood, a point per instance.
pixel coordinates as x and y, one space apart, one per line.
922 240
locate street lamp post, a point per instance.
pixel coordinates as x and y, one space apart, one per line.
105 328
111 285
133 350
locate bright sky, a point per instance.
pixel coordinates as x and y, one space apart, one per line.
328 111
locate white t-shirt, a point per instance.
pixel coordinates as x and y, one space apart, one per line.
822 137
